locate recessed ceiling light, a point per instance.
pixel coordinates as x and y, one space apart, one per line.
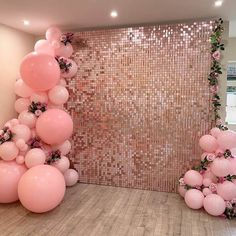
218 3
114 14
26 22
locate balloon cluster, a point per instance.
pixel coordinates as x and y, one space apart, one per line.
212 184
33 148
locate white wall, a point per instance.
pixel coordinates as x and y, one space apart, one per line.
14 45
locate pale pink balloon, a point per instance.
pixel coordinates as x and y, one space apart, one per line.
182 191
8 151
62 164
193 178
71 177
22 89
58 95
55 44
194 199
35 157
62 82
227 139
232 165
64 50
233 152
214 205
206 182
227 190
54 106
215 132
14 122
208 143
41 72
64 148
20 143
53 34
72 70
220 167
41 188
22 104
54 126
21 132
20 160
206 191
45 47
10 174
24 148
39 97
27 118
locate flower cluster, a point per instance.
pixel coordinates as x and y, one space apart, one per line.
64 64
67 38
5 135
37 108
35 143
54 156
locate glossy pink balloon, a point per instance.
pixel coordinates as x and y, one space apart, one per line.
58 95
182 191
193 178
227 190
208 143
227 139
62 164
27 118
21 89
45 47
72 70
214 204
34 157
22 104
64 148
64 50
54 126
10 174
39 97
53 33
41 72
215 132
41 188
194 199
71 177
8 151
21 132
220 167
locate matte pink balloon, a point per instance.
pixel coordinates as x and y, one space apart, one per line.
10 174
72 70
64 148
21 132
182 191
220 167
193 178
54 126
41 188
71 177
34 157
215 132
8 151
53 33
214 205
22 104
206 182
21 89
45 47
227 190
64 50
206 191
39 97
227 139
20 160
62 164
41 72
27 118
194 199
20 143
58 95
208 143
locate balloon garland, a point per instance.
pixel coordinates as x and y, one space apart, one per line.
34 168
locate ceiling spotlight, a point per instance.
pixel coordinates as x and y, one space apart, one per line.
114 14
26 22
218 3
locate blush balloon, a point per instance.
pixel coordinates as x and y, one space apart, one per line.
208 143
220 167
53 34
45 47
39 97
21 89
21 132
206 191
214 204
62 164
227 139
215 132
20 160
27 118
58 95
34 157
71 177
22 104
194 199
227 190
193 178
206 182
64 50
182 191
8 151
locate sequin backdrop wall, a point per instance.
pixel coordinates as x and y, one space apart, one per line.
140 101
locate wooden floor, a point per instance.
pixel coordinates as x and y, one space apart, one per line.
101 210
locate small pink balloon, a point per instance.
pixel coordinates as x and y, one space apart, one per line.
62 82
22 104
193 178
215 132
45 47
21 89
58 95
206 191
20 143
227 139
24 148
71 177
182 191
8 151
27 118
220 167
35 157
64 148
21 132
206 182
39 97
62 164
214 205
53 34
208 143
10 174
72 70
227 190
64 50
20 160
41 188
194 199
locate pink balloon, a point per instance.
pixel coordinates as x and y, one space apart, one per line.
62 82
72 70
62 164
14 122
193 178
220 167
20 160
214 204
206 191
27 118
54 126
206 182
34 157
194 199
22 104
45 47
41 188
8 151
53 34
64 50
182 191
227 139
208 143
39 97
227 190
20 143
55 44
233 152
232 165
71 177
208 174
58 95
215 132
64 148
21 132
40 71
21 89
10 174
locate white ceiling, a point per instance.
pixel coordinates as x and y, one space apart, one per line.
78 14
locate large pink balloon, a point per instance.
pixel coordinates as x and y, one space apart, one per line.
21 89
194 198
40 71
208 143
53 33
58 95
34 157
214 204
54 126
8 151
71 177
39 97
21 132
64 50
41 188
227 190
62 164
72 70
45 47
220 167
10 174
27 118
193 178
22 104
227 139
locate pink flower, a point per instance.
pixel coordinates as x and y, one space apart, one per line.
38 112
229 204
211 157
216 55
181 182
213 187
